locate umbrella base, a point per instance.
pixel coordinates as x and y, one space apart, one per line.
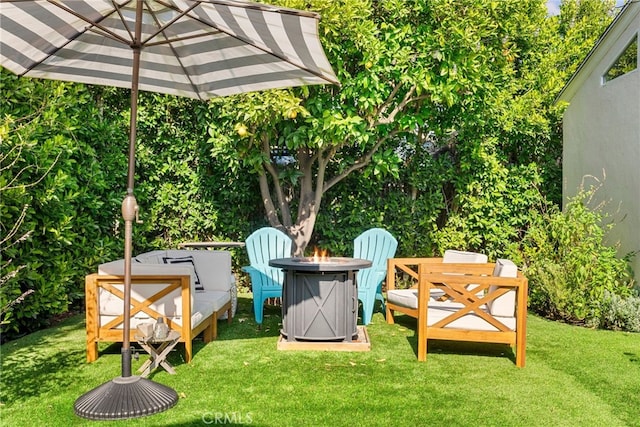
125 397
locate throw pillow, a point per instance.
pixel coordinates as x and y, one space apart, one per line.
185 260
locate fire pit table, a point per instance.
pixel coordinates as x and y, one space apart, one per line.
320 298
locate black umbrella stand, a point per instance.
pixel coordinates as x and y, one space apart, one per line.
128 396
125 397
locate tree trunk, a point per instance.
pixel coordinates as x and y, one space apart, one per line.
313 184
301 234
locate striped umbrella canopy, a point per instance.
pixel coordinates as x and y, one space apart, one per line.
194 48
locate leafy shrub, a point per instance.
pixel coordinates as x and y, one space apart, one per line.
619 313
360 203
493 202
570 269
56 210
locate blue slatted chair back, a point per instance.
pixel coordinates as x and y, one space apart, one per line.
376 245
263 245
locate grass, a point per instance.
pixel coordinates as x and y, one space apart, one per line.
574 377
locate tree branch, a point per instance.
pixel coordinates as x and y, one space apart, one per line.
363 161
406 100
269 207
386 103
323 161
282 203
10 185
16 226
306 162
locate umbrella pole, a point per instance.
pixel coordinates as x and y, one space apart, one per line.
129 210
128 396
129 204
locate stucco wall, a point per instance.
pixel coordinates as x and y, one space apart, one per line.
601 132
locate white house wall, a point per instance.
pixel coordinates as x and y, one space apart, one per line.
601 132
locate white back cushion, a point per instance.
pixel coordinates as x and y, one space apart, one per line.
505 305
462 257
116 268
153 257
213 267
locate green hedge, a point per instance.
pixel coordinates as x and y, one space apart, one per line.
54 152
64 158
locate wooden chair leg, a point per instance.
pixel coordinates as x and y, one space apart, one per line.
390 319
421 327
207 334
188 349
92 351
214 326
520 350
92 317
422 349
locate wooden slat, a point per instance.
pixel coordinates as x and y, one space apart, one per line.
361 344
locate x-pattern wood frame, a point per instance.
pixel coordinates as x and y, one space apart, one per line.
144 306
466 284
455 290
469 284
109 331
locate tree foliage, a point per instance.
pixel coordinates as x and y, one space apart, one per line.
470 80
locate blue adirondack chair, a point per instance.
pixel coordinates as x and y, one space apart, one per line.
263 245
376 245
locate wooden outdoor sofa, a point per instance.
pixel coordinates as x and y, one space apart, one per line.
481 302
191 290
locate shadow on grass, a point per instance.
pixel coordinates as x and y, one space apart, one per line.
244 325
42 365
455 347
175 357
633 357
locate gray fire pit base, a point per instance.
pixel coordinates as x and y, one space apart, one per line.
319 306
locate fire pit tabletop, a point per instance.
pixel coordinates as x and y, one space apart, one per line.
327 264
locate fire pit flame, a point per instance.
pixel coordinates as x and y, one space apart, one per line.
320 255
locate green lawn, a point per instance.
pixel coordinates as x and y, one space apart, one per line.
574 377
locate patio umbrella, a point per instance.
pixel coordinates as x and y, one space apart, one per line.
198 49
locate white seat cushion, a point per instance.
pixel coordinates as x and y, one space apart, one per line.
470 321
215 299
403 297
200 311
